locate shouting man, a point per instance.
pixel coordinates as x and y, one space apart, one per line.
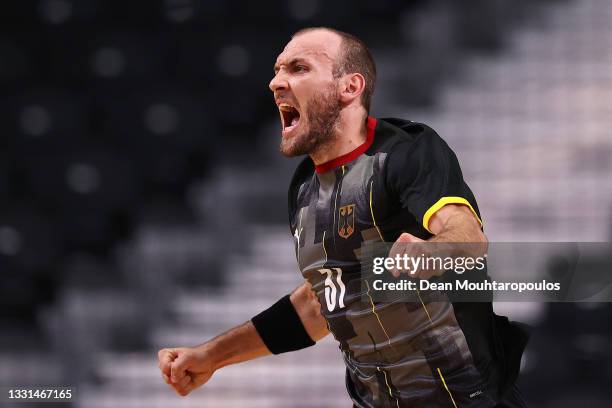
366 180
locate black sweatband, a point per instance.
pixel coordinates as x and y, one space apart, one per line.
281 329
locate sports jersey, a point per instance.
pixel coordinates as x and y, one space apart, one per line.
397 354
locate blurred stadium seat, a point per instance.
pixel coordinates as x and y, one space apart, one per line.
131 169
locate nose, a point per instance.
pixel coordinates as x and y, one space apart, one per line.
278 83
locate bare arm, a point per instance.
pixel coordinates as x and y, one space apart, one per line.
309 309
243 343
455 223
188 368
451 224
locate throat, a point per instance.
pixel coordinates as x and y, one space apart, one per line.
336 148
344 148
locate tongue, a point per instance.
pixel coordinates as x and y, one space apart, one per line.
294 121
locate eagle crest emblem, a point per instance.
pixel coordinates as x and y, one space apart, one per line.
346 220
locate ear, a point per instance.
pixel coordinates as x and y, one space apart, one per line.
352 86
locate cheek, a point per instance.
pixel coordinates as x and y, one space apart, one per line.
308 93
300 90
305 88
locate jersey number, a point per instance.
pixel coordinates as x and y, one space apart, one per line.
330 288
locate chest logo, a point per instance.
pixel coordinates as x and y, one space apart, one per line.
346 220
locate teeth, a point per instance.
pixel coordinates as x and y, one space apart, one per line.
285 107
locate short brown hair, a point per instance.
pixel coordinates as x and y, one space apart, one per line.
354 57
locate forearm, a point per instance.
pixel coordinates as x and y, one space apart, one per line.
241 343
244 342
292 323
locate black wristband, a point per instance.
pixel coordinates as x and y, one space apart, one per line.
281 329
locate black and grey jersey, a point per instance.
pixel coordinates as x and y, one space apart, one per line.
402 354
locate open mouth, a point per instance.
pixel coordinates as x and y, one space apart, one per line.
290 117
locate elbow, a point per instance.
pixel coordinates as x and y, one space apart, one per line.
308 309
481 237
482 240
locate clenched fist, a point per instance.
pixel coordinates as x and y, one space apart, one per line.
185 369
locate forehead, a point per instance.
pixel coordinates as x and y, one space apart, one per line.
315 45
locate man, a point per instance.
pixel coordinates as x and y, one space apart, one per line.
366 180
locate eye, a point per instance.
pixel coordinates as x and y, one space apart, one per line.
300 68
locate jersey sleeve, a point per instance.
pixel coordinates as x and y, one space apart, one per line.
424 174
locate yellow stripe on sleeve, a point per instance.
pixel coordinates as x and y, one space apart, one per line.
441 203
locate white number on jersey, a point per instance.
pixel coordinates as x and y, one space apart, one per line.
330 288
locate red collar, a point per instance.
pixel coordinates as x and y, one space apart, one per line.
352 155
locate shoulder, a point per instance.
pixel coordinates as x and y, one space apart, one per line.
394 133
402 139
406 129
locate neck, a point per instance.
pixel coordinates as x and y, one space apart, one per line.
349 133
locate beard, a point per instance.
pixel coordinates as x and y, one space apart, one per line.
320 120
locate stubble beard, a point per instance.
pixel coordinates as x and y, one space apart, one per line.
323 112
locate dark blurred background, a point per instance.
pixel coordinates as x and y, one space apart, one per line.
139 146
